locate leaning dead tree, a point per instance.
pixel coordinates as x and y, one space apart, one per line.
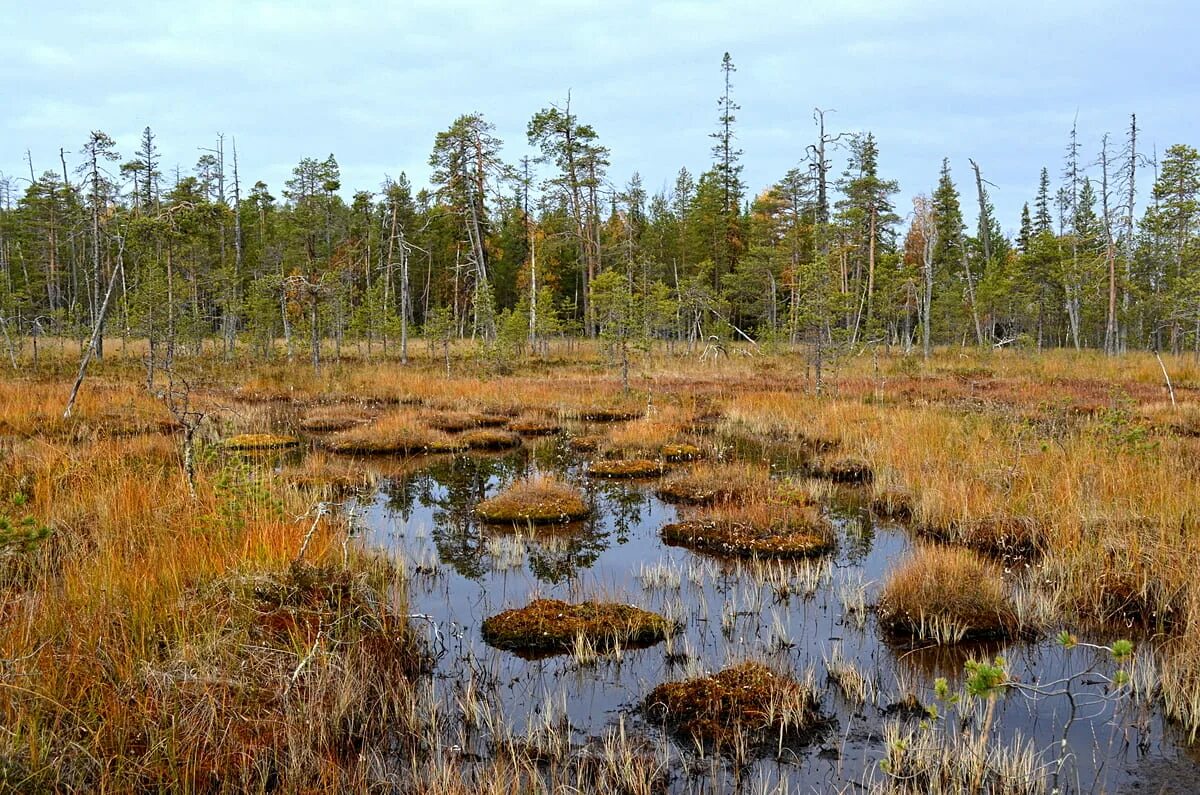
98 328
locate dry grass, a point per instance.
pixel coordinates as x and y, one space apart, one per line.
489 439
706 484
394 433
334 418
746 705
550 626
946 595
455 421
260 441
538 501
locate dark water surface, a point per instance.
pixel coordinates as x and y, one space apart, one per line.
462 572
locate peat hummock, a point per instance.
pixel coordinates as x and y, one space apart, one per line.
550 626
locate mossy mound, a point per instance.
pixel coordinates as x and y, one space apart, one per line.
709 484
606 415
843 470
550 626
747 704
259 441
893 504
333 419
392 436
680 451
532 426
584 444
455 421
490 439
794 538
946 595
541 501
625 468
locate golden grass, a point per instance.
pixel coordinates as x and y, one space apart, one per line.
550 626
709 483
946 594
541 500
625 468
333 418
259 441
398 432
489 439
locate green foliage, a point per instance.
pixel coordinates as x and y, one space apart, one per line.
21 536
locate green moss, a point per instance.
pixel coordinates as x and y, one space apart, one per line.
550 626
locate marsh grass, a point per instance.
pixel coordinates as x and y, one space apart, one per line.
745 708
762 529
541 500
946 595
398 433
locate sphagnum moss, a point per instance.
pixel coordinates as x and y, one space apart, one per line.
550 626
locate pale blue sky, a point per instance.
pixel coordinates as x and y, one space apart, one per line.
373 82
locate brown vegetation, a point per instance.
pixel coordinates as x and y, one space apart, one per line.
394 433
549 626
761 529
748 703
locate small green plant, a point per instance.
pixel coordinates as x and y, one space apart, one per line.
22 536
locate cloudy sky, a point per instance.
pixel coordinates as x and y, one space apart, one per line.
373 82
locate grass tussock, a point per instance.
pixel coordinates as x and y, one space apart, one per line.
534 426
625 468
259 441
945 595
761 529
747 705
550 626
708 484
326 419
489 439
457 421
398 433
539 501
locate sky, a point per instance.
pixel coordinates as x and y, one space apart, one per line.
373 82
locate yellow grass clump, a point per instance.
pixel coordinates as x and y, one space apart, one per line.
625 468
259 441
945 595
760 529
539 501
396 433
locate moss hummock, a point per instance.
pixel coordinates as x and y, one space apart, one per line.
748 703
393 434
259 441
802 533
550 626
490 439
843 470
625 468
455 421
532 426
680 451
540 501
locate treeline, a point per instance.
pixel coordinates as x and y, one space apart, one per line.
516 253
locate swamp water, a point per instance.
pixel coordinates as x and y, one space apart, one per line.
801 616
